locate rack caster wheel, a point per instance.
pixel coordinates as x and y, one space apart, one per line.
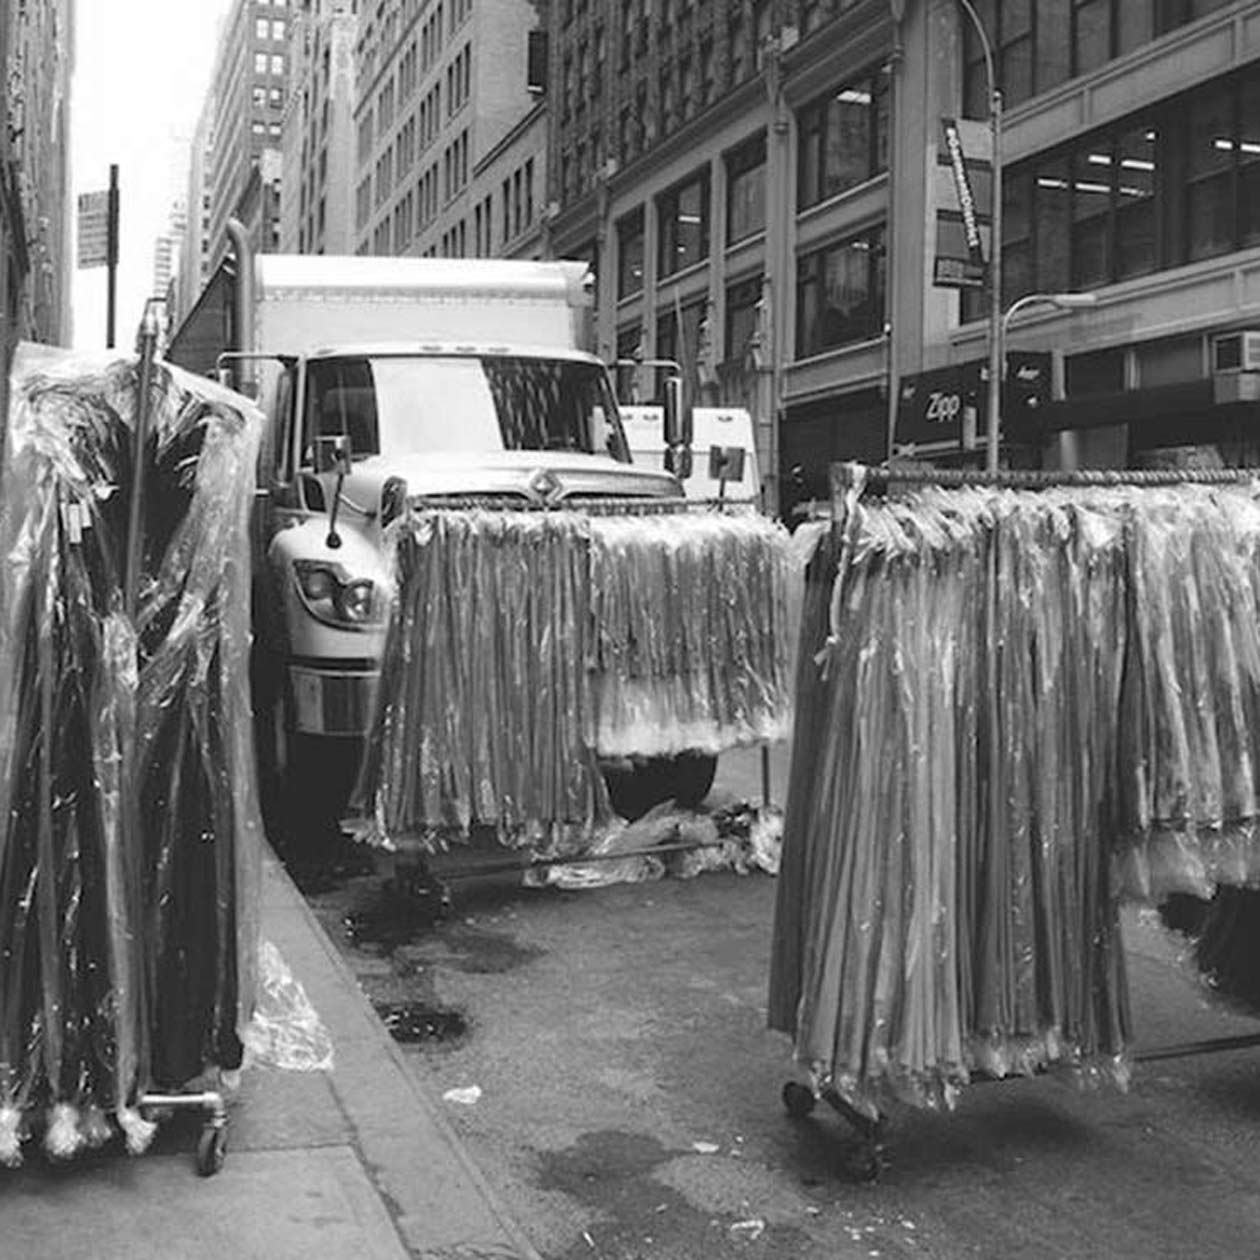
798 1099
871 1168
211 1149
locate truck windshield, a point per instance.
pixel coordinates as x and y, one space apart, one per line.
449 404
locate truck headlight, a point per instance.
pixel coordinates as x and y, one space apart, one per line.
355 602
331 595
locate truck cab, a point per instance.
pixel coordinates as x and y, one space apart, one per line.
428 423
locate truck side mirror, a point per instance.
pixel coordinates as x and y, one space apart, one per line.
678 461
677 424
333 454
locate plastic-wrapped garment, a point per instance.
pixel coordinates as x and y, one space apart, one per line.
1188 795
944 904
484 705
130 850
690 616
526 644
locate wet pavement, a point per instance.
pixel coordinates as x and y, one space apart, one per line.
611 1074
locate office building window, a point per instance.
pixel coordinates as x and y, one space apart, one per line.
746 190
260 63
843 139
630 254
840 294
277 64
682 216
259 96
629 346
261 28
743 318
678 338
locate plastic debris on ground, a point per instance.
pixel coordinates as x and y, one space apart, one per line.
739 838
285 1031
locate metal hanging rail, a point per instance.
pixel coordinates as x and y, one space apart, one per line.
847 477
592 507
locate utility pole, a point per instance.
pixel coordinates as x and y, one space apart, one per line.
111 257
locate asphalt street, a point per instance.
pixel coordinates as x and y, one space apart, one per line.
603 1055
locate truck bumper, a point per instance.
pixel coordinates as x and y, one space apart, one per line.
333 701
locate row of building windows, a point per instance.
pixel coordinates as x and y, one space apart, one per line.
416 61
1168 185
683 335
1038 44
840 295
842 143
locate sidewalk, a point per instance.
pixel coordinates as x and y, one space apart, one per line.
355 1164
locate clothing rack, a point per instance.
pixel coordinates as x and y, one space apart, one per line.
848 482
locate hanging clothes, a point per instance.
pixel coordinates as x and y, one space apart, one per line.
130 837
1025 705
524 646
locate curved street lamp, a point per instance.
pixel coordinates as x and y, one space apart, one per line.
1063 301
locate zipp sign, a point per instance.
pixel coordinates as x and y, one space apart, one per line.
943 405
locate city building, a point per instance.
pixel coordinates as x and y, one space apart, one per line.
193 270
245 105
317 210
36 263
767 191
445 121
166 253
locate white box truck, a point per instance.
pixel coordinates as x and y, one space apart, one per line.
389 381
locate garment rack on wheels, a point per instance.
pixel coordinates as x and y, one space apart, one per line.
559 641
1024 710
130 835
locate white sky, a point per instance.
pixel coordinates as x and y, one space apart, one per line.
142 67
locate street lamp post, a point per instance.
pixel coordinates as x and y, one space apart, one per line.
994 402
1064 301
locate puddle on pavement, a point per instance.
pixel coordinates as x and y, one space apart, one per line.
413 1023
393 919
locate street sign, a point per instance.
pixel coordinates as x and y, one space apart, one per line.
961 190
94 229
942 405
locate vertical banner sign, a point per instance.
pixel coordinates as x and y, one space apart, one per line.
962 187
93 229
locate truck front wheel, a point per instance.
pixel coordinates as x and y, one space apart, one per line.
636 787
303 782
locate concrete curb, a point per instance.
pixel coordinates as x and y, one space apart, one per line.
428 1204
